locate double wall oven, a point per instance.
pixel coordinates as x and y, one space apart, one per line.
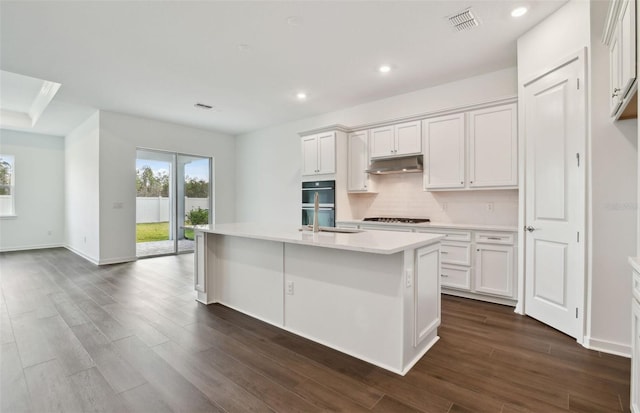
326 191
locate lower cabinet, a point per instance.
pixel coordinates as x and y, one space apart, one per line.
494 269
479 264
635 344
635 358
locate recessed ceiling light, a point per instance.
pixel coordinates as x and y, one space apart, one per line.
518 11
384 69
203 106
301 96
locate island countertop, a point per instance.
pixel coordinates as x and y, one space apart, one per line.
376 242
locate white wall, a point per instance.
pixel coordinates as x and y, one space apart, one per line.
613 189
120 135
82 214
268 161
611 168
39 191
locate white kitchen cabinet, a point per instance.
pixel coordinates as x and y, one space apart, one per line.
396 140
481 154
444 152
620 36
319 154
493 147
358 161
494 269
635 335
635 356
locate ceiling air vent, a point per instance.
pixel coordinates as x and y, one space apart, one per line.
203 106
463 20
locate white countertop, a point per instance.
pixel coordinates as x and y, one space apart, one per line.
635 263
435 225
376 242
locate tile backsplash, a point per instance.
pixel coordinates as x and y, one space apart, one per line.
402 195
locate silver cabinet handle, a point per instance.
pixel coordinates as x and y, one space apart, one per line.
615 92
494 238
530 228
444 252
444 275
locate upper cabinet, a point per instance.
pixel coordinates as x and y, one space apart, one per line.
444 152
479 153
396 140
319 154
620 36
493 147
358 161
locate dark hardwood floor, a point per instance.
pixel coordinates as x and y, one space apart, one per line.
130 337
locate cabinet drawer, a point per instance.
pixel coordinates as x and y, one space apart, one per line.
456 253
449 235
495 238
455 277
636 286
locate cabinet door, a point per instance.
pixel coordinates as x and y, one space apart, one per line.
494 270
358 161
493 147
635 357
408 138
327 153
615 73
381 142
310 155
627 46
444 152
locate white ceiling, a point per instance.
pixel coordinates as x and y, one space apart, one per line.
156 59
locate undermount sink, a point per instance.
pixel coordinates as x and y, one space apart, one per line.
332 229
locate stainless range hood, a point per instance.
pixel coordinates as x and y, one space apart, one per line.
405 164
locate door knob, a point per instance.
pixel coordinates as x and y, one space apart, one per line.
530 228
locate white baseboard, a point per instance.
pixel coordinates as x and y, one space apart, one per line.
117 260
31 247
83 255
608 347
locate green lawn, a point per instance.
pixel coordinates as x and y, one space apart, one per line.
157 231
153 231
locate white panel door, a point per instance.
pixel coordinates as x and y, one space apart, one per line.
381 142
358 161
554 110
494 270
493 147
327 153
309 155
408 138
444 152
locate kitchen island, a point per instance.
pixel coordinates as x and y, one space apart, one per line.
372 294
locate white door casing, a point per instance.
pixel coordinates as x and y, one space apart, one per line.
555 139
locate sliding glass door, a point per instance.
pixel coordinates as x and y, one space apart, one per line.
173 195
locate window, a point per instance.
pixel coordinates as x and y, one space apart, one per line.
7 185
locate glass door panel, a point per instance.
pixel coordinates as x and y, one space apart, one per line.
155 203
194 198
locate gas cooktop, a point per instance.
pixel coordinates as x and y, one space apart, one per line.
397 220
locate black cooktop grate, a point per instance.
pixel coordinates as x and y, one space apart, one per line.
397 220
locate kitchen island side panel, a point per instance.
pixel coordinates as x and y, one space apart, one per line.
351 301
248 276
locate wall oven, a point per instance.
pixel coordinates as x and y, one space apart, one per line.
327 199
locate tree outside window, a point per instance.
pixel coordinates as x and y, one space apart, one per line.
7 185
